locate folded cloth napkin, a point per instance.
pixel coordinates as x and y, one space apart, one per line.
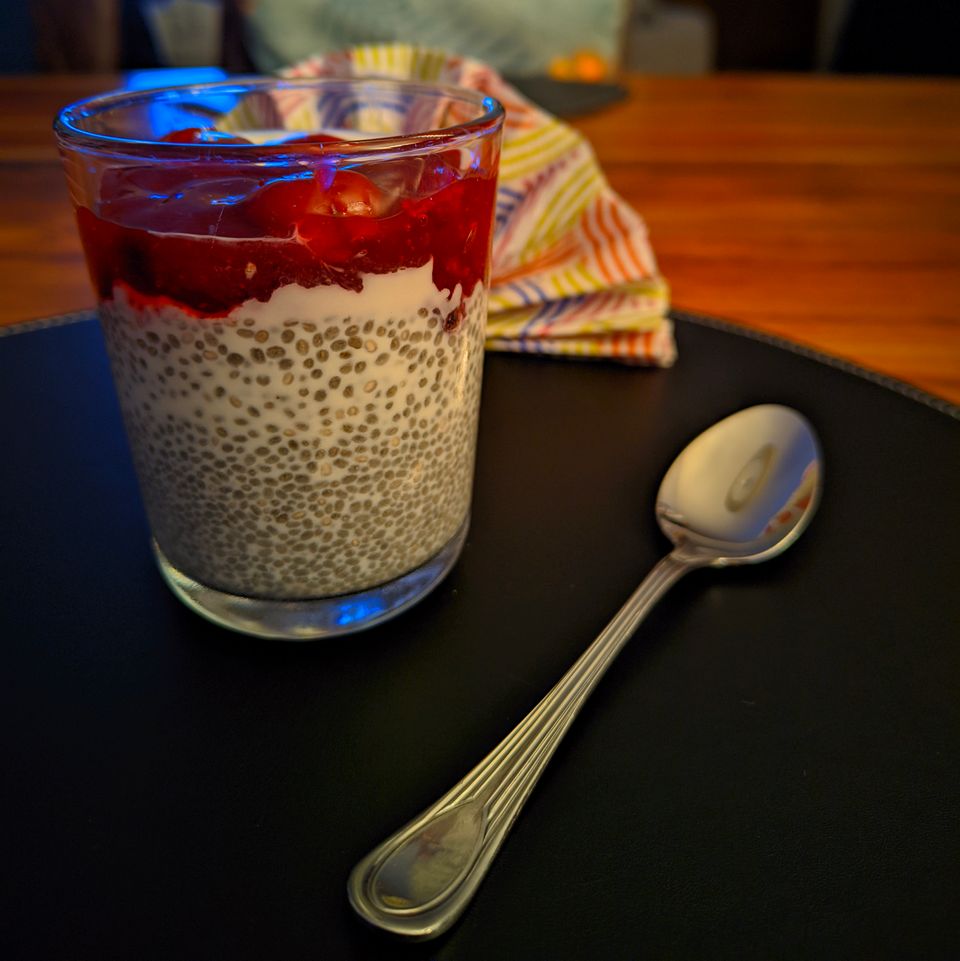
573 271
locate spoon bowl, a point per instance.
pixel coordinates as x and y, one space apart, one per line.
745 489
740 493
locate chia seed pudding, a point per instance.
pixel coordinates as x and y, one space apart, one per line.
301 389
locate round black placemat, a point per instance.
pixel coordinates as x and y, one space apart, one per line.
770 770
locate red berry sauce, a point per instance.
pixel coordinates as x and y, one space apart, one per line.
210 235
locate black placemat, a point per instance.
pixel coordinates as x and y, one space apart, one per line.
770 770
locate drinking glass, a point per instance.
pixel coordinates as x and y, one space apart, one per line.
292 279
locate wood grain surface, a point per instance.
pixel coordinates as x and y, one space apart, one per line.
822 209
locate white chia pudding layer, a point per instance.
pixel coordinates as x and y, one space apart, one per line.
311 446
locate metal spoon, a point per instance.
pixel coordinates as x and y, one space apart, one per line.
740 493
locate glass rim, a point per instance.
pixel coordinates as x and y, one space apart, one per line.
72 136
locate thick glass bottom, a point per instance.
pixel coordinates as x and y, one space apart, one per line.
315 617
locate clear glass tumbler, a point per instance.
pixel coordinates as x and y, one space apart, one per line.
292 280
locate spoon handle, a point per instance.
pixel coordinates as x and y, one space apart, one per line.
418 881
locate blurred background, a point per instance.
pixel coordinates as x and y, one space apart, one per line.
566 39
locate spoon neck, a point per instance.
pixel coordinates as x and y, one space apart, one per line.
665 573
688 555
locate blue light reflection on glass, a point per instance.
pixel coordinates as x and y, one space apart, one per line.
359 610
173 77
166 117
322 172
295 175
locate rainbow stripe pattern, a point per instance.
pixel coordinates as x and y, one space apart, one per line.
573 271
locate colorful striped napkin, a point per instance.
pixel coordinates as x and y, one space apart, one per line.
573 270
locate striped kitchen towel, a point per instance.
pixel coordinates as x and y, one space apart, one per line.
573 270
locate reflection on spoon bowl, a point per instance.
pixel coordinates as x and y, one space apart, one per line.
745 488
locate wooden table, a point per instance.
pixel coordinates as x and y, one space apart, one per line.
826 210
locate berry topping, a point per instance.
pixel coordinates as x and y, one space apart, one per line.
210 234
200 135
316 138
281 204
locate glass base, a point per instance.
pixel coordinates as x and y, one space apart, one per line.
316 617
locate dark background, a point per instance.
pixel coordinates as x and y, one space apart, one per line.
870 36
